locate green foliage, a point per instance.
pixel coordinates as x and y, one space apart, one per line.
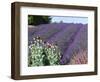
43 54
37 20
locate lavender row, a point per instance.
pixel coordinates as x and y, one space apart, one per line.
45 31
66 36
80 43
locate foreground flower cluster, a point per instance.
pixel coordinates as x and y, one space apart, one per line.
43 53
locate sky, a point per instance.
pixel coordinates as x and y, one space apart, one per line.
69 19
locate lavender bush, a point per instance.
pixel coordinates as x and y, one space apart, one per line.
79 58
79 44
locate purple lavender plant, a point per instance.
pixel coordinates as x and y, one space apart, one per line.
80 43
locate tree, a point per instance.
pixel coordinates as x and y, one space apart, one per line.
61 21
37 20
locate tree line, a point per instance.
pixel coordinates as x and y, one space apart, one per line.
37 20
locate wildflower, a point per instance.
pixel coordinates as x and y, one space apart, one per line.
43 53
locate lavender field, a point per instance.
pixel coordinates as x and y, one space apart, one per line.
60 44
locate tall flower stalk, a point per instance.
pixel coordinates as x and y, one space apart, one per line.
43 53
